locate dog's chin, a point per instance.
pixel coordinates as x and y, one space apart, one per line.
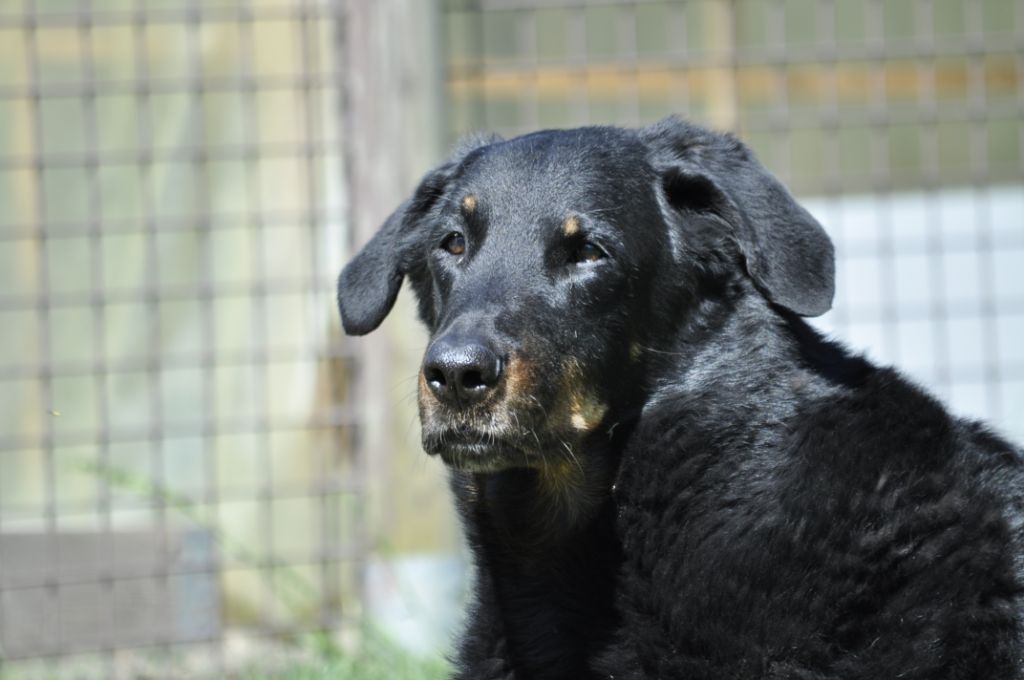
473 461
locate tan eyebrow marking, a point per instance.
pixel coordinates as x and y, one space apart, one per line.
469 203
571 226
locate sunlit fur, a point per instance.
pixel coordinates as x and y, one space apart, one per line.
677 477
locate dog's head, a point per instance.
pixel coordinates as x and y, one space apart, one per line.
547 266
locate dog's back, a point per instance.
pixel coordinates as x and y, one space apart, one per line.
815 517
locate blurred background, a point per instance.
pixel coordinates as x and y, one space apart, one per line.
200 476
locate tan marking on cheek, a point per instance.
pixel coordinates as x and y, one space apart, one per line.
582 409
571 226
587 412
519 378
518 394
423 397
469 204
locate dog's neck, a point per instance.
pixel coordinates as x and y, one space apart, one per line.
535 510
763 357
546 573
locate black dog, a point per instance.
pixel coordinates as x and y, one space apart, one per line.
662 470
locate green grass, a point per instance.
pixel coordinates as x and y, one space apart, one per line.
378 659
362 669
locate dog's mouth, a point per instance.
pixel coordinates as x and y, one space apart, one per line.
478 450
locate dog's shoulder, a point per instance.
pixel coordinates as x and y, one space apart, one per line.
886 429
837 513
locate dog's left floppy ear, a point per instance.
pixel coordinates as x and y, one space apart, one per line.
369 284
788 255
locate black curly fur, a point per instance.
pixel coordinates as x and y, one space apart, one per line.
756 502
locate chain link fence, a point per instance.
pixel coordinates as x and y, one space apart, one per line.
179 490
183 440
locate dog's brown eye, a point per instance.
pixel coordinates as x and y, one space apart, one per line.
588 252
454 243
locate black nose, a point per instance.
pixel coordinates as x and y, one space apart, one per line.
461 371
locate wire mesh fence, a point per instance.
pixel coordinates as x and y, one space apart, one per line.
177 469
181 485
897 123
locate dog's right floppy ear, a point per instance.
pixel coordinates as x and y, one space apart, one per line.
369 284
787 254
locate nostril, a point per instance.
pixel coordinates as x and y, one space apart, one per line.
472 380
434 377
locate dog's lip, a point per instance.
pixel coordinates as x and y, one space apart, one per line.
460 441
472 450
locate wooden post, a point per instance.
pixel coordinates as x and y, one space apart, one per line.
393 133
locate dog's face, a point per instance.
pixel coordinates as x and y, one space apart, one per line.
547 265
534 262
